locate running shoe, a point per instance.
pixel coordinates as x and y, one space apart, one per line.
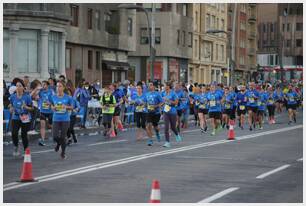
261 128
213 132
56 148
41 142
158 137
69 142
167 144
63 156
150 142
227 127
202 130
294 119
205 129
16 152
250 128
75 139
289 123
178 138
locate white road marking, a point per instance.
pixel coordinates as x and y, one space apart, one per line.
109 142
102 165
272 171
300 160
43 151
219 195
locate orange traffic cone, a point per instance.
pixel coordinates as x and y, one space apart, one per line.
231 132
26 174
155 193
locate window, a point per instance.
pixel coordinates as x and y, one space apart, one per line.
148 6
184 38
74 15
89 59
288 27
89 18
6 50
190 39
283 27
285 12
207 22
222 6
196 48
288 43
217 52
243 25
222 25
68 58
299 43
272 27
98 20
98 60
144 37
242 43
54 50
107 18
243 8
222 52
217 27
299 10
178 37
213 22
196 20
299 26
185 9
264 42
130 26
291 11
241 60
272 42
264 27
157 35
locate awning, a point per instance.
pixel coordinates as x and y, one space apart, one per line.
116 65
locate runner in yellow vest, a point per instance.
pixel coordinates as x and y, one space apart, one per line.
108 102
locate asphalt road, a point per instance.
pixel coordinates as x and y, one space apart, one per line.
259 166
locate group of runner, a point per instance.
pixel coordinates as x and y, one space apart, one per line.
59 107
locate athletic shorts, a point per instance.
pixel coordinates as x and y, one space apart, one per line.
179 113
204 111
253 109
153 118
45 116
260 112
107 118
280 101
291 106
215 115
230 112
239 112
117 111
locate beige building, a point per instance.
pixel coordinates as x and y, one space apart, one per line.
209 59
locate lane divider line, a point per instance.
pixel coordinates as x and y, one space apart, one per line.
109 142
219 195
272 171
300 160
89 168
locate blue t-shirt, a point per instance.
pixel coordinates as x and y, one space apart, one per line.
153 98
252 96
214 99
169 107
262 101
185 101
17 105
291 97
140 103
61 114
271 98
180 95
241 99
278 96
76 107
229 101
118 94
201 101
44 102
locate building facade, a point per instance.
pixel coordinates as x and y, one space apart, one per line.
209 62
280 41
81 41
245 45
173 43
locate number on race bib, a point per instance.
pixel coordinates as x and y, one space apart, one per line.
167 108
139 108
212 103
242 107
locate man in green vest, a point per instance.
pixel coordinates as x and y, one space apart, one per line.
108 102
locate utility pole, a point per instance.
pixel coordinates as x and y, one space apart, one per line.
152 53
232 46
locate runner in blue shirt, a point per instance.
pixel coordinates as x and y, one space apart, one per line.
271 105
261 102
252 96
202 103
180 94
170 114
154 102
44 106
291 96
61 103
228 107
20 107
214 98
241 106
76 108
185 108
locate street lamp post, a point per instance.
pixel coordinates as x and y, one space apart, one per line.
231 65
132 7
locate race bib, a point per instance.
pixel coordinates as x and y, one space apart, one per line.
25 118
45 105
139 108
227 106
251 100
202 106
150 107
259 103
60 108
212 103
271 101
167 108
291 99
242 107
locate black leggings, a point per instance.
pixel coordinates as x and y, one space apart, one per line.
140 118
170 120
16 125
71 127
59 130
271 110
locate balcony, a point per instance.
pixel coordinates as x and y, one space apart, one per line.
251 52
252 35
252 18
